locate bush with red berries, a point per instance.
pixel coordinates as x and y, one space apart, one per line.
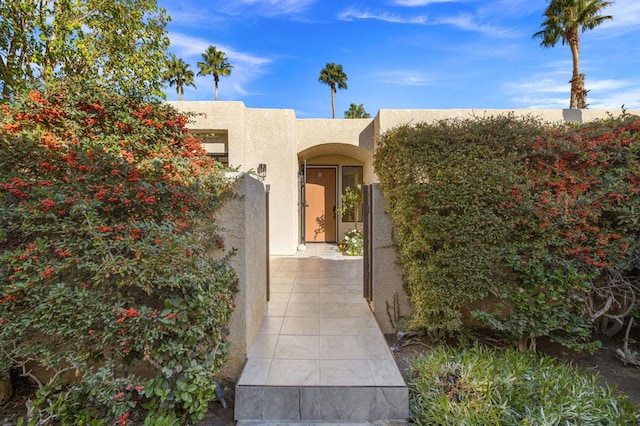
113 267
535 227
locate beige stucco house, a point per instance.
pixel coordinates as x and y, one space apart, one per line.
329 155
305 165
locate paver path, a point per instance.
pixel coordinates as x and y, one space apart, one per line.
319 353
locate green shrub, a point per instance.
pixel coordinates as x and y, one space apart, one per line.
450 184
541 304
110 257
481 386
530 224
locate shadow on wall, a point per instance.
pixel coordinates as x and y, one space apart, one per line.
320 221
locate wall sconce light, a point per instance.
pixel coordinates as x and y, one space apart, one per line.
262 171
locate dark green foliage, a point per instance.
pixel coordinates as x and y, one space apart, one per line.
449 184
520 220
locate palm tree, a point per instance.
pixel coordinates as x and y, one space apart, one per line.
334 76
565 19
215 62
178 74
356 111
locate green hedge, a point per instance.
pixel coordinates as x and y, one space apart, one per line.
110 258
485 217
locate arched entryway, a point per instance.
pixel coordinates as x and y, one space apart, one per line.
326 172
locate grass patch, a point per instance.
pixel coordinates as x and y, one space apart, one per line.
484 386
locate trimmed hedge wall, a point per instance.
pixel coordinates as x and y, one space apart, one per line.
487 212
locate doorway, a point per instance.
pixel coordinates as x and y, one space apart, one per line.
321 201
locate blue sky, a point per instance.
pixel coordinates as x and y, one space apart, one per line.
402 54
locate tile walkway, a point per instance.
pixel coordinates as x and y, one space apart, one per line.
319 330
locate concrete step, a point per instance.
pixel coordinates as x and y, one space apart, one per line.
302 405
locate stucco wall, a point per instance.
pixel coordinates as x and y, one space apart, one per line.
387 273
258 136
244 221
271 140
212 116
316 131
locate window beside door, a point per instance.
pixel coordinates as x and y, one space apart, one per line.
352 178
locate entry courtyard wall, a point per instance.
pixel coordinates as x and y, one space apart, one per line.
390 303
245 229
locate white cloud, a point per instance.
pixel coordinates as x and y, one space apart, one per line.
612 94
548 89
540 91
606 94
184 46
193 14
465 22
531 102
607 84
404 78
414 3
202 12
353 14
469 22
615 101
626 17
538 85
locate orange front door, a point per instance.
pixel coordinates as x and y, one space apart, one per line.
320 215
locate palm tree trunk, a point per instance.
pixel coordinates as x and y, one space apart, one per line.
333 102
216 79
581 93
577 80
180 92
